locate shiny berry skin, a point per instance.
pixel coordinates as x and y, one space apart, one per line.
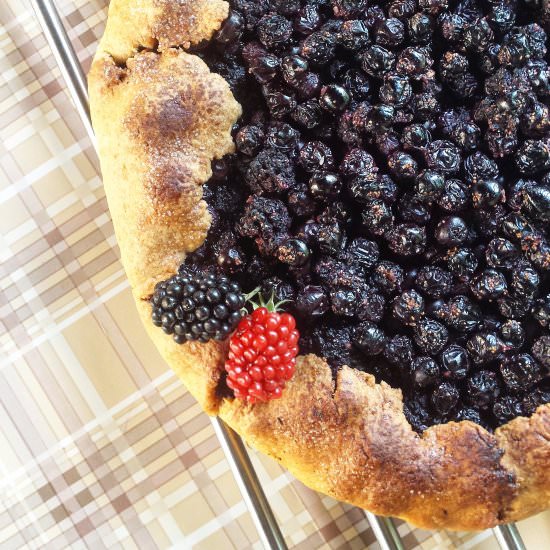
541 350
424 372
430 185
507 407
455 362
369 338
489 285
513 334
482 388
434 282
462 314
485 347
312 302
325 185
197 306
445 398
451 231
407 239
262 355
520 372
487 193
430 335
293 252
334 98
408 307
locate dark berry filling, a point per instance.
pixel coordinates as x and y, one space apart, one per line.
392 182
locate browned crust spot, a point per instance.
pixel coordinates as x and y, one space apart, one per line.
160 119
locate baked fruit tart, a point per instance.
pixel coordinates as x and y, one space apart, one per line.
335 219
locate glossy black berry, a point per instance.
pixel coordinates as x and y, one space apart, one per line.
334 98
541 350
312 302
445 398
197 306
451 231
455 362
424 372
408 307
369 338
520 372
482 388
430 335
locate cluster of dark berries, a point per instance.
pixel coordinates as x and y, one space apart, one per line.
392 181
197 306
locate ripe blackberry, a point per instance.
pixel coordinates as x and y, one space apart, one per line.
348 8
420 28
454 197
520 372
197 306
319 47
363 253
354 35
250 139
274 30
536 202
266 221
325 186
487 193
451 231
293 252
443 156
377 217
316 156
371 306
430 185
388 277
412 209
308 114
462 262
343 302
390 33
541 311
377 61
407 239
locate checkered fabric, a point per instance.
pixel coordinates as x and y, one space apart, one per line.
100 445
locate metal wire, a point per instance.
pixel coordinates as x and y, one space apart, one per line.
384 529
385 532
508 537
250 486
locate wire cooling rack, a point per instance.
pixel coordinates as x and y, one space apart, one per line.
507 536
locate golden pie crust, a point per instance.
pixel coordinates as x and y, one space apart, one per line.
161 117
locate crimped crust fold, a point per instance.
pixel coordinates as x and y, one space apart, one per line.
161 116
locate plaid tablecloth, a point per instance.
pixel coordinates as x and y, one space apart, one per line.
100 445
